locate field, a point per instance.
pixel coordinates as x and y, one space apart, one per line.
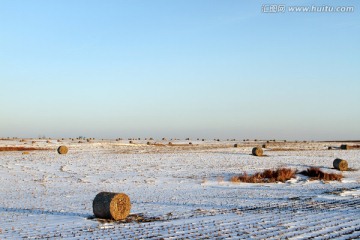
178 191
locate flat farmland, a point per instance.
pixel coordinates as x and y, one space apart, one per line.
177 191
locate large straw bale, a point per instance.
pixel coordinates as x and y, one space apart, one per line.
109 205
340 164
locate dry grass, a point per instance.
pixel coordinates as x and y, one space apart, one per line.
315 173
267 176
8 149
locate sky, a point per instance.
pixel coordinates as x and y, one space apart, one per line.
199 69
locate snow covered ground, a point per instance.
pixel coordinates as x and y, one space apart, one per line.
185 189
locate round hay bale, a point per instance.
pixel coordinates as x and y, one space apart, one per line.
190 143
170 143
264 146
109 205
48 141
329 148
148 143
63 150
340 164
131 142
25 153
236 145
257 151
344 147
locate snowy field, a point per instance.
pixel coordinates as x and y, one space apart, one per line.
184 192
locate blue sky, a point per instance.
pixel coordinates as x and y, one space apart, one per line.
213 69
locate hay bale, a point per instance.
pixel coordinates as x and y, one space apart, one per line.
340 164
63 150
170 143
257 151
109 205
25 153
148 143
131 142
345 147
236 145
329 148
264 146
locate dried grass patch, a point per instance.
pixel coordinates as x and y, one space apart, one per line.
8 149
315 173
267 176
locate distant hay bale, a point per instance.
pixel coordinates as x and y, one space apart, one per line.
33 142
148 143
190 143
164 139
236 145
264 146
329 148
48 141
340 164
25 153
131 142
257 151
110 205
345 147
170 143
62 150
